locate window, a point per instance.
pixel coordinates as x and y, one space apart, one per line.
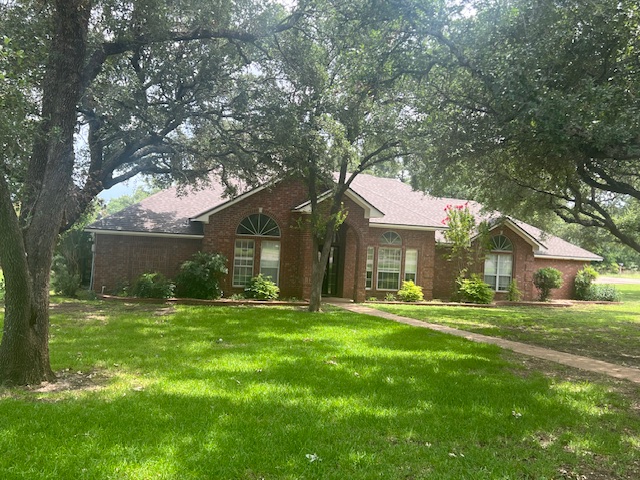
390 238
368 279
498 265
258 224
410 265
270 260
389 262
243 262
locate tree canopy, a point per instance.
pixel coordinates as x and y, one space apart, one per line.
536 108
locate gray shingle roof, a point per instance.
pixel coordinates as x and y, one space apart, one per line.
166 212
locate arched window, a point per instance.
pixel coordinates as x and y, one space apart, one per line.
246 249
390 238
258 224
498 265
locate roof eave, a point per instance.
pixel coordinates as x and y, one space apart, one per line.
131 233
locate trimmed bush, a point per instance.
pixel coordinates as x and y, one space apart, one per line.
62 280
603 293
547 279
200 277
514 294
583 282
474 290
152 285
262 288
410 292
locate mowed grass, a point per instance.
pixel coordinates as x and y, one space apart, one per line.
606 332
250 393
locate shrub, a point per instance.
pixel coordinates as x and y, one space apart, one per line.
582 283
62 280
474 290
603 293
514 294
545 280
152 285
200 277
262 288
389 297
410 292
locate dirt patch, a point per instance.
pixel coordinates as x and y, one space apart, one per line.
67 381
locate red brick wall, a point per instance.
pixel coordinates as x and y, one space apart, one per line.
569 269
276 202
121 258
524 266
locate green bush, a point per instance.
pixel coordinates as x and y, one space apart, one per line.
514 294
410 292
262 288
200 277
545 280
389 297
583 282
152 285
603 293
474 290
62 280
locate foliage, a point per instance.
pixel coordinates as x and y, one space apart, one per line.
2 286
262 288
461 230
390 297
200 277
545 280
152 285
410 292
583 282
474 290
116 204
514 294
536 111
603 293
63 281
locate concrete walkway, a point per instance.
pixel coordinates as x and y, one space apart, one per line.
584 363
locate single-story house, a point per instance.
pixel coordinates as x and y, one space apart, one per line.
391 233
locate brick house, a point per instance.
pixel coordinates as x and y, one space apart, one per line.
391 234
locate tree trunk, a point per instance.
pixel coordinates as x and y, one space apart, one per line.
318 268
27 244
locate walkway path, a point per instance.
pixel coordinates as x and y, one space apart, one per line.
584 363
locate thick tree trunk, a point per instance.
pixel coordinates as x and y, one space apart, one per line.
318 268
27 245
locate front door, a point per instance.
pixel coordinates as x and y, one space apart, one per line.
331 274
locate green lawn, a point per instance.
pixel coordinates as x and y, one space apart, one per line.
250 393
607 332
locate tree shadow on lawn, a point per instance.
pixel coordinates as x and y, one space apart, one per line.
309 396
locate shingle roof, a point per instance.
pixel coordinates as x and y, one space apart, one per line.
166 212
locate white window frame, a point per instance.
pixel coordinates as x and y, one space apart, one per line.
243 263
385 269
264 269
411 269
494 278
368 275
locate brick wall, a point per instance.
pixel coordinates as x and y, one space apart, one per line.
122 258
276 202
569 269
524 266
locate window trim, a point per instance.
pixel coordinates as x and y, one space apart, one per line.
379 270
414 272
275 242
252 259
